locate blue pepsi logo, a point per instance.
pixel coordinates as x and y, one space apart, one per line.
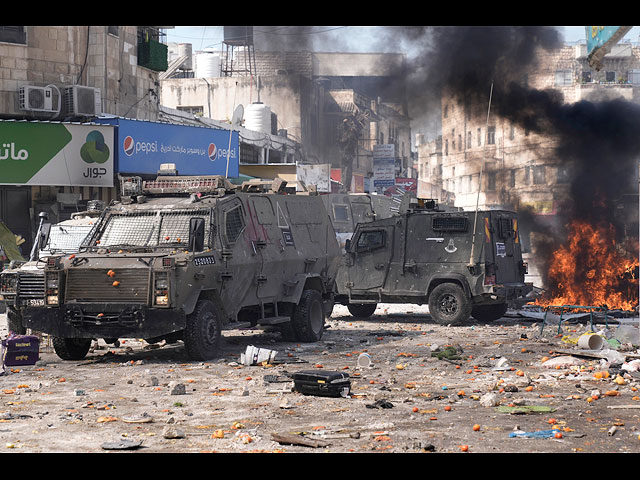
129 145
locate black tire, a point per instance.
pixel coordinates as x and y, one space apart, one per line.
449 305
488 313
308 317
14 322
71 348
362 310
203 331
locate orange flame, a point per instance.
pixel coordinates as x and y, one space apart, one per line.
591 270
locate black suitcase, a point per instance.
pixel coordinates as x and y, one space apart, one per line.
325 384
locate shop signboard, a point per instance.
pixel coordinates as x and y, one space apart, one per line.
143 146
384 160
60 154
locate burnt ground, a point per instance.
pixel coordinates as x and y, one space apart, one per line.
143 398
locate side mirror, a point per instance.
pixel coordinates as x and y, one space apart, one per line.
347 245
196 234
44 235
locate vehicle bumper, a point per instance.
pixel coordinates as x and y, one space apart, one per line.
103 320
514 294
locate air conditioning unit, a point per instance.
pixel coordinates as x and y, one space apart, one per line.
38 99
80 100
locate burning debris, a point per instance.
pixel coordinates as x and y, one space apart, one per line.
591 270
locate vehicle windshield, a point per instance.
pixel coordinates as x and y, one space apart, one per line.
66 238
148 229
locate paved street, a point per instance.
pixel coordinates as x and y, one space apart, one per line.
494 387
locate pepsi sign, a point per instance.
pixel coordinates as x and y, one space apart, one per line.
143 146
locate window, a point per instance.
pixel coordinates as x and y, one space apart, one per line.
459 142
113 30
340 213
491 181
563 174
563 78
448 223
446 147
195 110
370 240
633 77
610 77
491 136
479 137
234 223
586 77
526 176
538 175
13 35
512 132
468 139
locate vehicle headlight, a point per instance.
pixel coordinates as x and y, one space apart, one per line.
8 283
161 289
52 291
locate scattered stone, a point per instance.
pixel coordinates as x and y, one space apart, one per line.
173 433
177 388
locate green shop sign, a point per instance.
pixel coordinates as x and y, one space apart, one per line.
33 153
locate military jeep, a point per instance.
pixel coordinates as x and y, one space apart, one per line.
428 256
181 258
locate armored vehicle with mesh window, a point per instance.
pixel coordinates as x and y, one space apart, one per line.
181 258
22 284
428 256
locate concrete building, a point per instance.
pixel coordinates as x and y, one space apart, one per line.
520 169
71 74
310 94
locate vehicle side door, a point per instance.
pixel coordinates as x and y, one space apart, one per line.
370 253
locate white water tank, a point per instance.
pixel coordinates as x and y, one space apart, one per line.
257 117
207 65
184 49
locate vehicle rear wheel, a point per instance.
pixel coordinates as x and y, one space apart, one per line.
71 348
203 331
448 304
308 317
488 313
362 310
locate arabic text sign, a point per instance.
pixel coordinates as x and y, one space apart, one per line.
144 146
33 153
384 165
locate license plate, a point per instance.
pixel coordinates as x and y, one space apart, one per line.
36 302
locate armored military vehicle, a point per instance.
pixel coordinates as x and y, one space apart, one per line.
22 282
180 258
429 256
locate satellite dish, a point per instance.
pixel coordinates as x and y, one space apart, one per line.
238 115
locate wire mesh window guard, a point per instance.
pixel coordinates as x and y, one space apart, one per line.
151 229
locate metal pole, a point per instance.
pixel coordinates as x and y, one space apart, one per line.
475 220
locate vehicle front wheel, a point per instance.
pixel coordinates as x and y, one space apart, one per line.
308 317
362 310
203 331
449 305
71 348
14 322
488 313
